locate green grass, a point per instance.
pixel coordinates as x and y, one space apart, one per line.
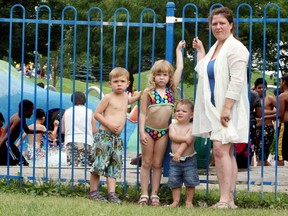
25 204
81 86
58 198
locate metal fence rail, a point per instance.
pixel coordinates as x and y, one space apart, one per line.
9 101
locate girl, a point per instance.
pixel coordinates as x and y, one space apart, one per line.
155 111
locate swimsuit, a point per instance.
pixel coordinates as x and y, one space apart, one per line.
157 100
282 141
82 154
107 152
268 139
210 71
156 133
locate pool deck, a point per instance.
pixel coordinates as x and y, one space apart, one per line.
79 175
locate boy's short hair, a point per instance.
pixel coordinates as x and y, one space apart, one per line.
2 117
118 71
259 81
186 102
40 113
27 104
79 98
285 78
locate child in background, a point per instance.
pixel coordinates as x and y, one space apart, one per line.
155 112
53 134
39 152
130 90
107 148
78 133
183 163
283 118
2 121
269 109
15 129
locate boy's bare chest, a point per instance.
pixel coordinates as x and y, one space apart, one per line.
119 104
182 130
267 103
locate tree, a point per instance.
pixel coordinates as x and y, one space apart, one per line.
135 8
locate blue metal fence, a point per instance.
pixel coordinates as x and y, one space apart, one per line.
8 107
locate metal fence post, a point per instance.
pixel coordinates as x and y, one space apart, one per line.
170 7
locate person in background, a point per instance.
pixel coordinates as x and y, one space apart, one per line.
15 129
283 118
79 134
242 148
39 151
221 104
269 131
2 121
130 90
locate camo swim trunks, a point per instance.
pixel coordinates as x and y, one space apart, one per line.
107 152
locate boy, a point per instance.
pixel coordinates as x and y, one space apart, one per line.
269 105
78 132
283 118
107 148
40 153
15 129
183 163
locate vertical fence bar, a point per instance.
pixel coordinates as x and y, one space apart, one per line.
170 7
277 93
9 88
87 70
249 79
47 84
139 74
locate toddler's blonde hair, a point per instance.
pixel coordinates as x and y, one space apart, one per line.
162 66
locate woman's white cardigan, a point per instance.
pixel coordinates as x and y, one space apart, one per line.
230 72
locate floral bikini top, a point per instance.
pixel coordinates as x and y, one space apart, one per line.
157 100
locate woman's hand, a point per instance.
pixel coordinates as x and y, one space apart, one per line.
198 45
225 116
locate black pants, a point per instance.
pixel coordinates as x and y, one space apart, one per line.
14 155
242 161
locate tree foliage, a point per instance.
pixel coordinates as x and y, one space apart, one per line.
135 8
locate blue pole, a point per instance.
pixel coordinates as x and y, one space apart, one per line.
170 7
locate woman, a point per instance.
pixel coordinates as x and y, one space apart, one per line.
222 111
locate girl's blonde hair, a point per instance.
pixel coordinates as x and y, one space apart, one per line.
162 66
